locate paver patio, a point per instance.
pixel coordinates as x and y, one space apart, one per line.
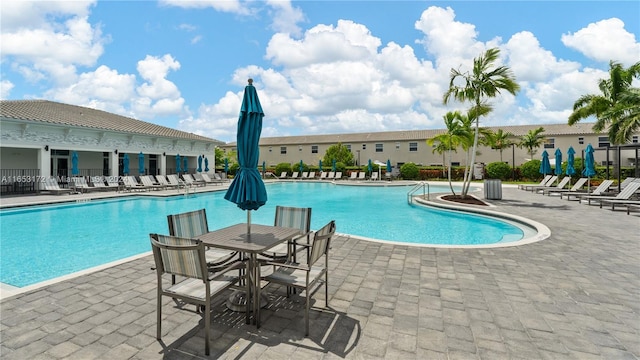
575 295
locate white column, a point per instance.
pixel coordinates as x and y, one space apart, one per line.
44 164
113 165
163 164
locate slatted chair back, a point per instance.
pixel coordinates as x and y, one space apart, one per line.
321 242
189 224
293 217
179 256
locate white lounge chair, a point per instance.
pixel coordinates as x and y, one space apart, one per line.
625 194
565 180
51 185
374 176
354 175
162 179
294 175
338 175
528 186
575 188
604 186
191 181
150 183
208 180
362 175
323 175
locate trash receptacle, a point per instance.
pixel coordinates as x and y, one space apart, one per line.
493 189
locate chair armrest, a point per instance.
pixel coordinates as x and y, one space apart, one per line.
289 265
238 264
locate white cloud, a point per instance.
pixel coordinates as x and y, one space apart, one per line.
286 17
159 96
605 40
230 6
5 88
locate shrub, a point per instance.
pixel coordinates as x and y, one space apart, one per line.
409 171
531 170
498 170
282 167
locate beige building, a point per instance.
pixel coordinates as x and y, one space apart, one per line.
38 139
410 146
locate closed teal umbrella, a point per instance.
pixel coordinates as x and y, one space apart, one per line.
333 165
370 167
74 164
301 166
264 167
558 169
589 166
570 160
545 166
185 164
141 163
226 166
125 164
320 165
199 163
388 165
177 163
206 165
247 189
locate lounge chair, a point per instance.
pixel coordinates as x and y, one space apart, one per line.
191 181
374 176
294 175
338 175
362 175
575 188
565 180
208 180
80 185
150 183
132 184
97 182
162 180
112 182
331 175
542 182
51 185
283 175
311 175
600 190
304 175
548 184
625 194
354 175
175 181
308 274
184 257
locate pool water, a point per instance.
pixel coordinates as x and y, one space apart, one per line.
44 242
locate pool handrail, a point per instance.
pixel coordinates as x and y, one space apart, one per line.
417 187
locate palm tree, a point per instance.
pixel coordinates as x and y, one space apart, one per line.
440 148
532 140
457 135
498 140
617 106
482 83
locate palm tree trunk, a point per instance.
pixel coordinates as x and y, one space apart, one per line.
467 183
449 175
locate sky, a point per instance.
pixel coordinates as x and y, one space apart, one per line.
320 67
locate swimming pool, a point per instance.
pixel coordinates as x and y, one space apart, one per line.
44 242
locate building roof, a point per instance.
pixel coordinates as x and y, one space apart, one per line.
51 112
419 135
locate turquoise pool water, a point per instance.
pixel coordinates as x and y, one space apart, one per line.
45 242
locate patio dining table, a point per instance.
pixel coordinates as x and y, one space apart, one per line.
260 239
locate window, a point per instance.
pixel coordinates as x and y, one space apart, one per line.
270 148
549 143
580 140
299 147
455 163
603 141
364 146
283 150
397 146
379 147
314 149
413 146
634 139
348 147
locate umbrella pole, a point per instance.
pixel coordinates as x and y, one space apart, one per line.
248 221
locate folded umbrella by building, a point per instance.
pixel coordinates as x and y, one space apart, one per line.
589 165
226 166
570 161
141 163
301 167
370 167
247 189
558 161
206 164
320 165
545 166
125 164
333 165
199 169
185 165
74 164
178 162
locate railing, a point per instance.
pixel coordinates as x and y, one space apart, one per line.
416 188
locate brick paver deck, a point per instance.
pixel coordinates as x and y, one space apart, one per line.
575 295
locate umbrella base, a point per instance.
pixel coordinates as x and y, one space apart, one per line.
238 300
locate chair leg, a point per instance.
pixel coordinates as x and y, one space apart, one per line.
306 314
207 325
159 316
258 290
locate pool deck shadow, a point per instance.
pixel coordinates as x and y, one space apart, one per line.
575 295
